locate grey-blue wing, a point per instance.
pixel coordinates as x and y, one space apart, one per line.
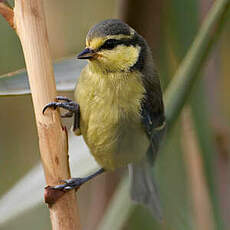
153 119
143 186
155 129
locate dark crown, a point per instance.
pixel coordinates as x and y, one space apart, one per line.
108 27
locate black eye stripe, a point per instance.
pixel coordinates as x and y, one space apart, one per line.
112 43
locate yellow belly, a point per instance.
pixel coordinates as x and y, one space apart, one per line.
115 144
110 120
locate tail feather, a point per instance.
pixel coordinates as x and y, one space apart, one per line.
143 188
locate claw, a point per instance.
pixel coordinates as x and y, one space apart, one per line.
67 104
50 105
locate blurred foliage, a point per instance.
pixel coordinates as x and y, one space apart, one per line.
66 72
11 56
182 39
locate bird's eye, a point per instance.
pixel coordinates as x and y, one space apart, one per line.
109 44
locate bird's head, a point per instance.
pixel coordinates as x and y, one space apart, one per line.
113 46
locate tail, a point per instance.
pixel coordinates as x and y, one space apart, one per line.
143 188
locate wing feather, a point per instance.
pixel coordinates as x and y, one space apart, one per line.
152 112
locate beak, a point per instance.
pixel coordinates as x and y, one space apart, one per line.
86 54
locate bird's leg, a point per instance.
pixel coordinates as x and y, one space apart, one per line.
72 107
75 183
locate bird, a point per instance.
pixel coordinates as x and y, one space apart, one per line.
118 108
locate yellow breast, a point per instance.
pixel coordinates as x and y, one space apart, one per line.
110 107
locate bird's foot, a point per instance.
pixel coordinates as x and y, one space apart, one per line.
73 183
72 107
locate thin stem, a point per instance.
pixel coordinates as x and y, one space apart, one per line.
202 208
31 28
181 85
7 13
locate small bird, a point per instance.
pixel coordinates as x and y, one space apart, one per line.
118 108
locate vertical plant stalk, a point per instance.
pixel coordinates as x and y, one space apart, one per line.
200 196
28 20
